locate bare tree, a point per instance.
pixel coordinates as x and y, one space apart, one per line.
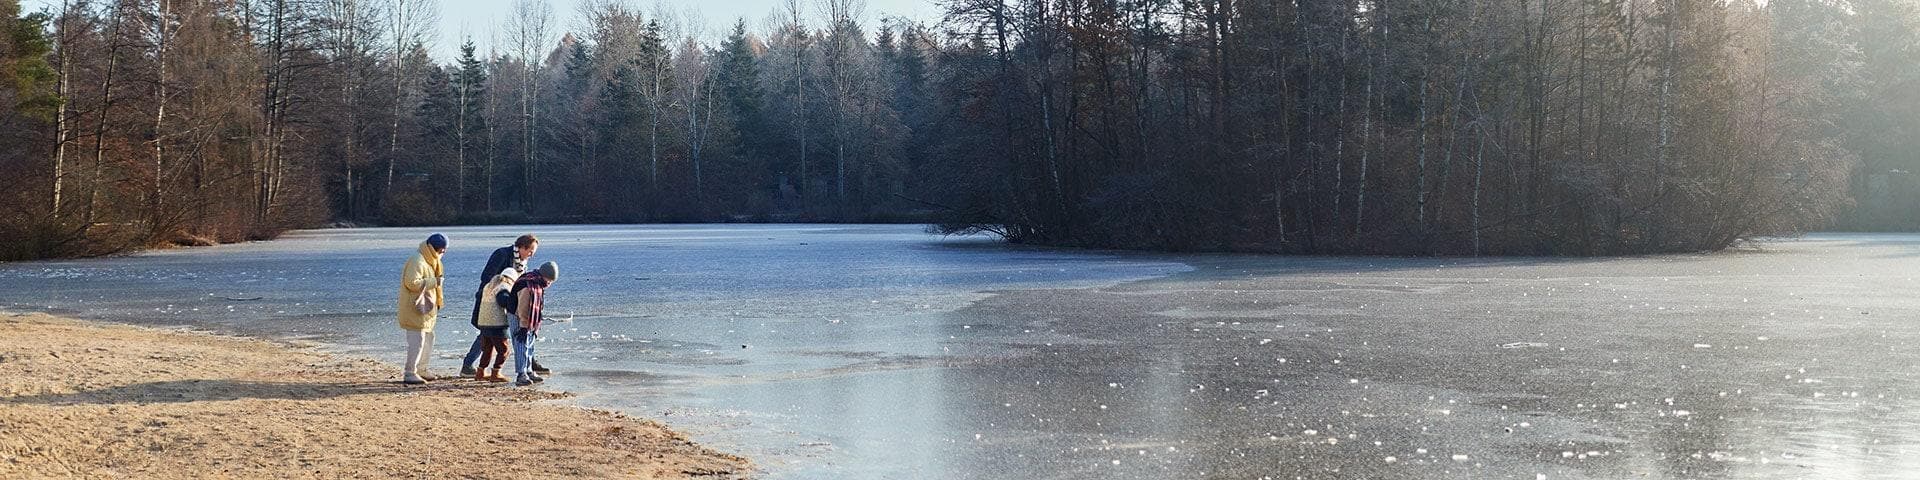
115 42
798 53
282 30
530 31
1669 60
409 24
350 31
63 129
657 62
1535 127
493 115
845 55
693 71
160 29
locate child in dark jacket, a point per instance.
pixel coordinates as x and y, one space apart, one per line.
529 293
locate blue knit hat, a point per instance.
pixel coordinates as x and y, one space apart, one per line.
437 241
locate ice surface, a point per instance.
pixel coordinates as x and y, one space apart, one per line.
882 352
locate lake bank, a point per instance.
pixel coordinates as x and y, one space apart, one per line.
87 400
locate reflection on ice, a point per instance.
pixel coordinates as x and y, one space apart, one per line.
880 352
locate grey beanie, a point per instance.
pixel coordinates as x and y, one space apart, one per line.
550 271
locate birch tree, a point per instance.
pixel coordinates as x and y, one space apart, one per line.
530 32
844 54
409 23
64 36
693 86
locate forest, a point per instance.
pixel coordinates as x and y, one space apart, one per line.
1426 127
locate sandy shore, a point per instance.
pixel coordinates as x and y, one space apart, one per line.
87 400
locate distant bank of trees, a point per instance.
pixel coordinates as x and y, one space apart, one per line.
1345 126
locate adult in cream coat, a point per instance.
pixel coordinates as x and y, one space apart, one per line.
420 301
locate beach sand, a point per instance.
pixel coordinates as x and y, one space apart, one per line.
89 400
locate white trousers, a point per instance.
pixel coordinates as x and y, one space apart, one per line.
419 349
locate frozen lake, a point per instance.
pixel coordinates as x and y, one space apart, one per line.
880 352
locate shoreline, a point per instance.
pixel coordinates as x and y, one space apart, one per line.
95 399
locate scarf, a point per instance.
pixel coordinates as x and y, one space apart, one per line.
433 261
536 287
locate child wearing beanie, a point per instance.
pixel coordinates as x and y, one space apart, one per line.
493 323
529 292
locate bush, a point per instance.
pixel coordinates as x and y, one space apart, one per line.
413 208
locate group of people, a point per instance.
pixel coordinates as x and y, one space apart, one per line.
505 308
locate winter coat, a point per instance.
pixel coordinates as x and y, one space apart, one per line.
531 293
503 259
422 272
492 314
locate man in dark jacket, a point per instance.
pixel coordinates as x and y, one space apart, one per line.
503 258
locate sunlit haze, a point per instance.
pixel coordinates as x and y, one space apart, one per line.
478 18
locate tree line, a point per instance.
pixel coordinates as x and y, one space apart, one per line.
1569 127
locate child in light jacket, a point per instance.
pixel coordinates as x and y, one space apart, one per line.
493 322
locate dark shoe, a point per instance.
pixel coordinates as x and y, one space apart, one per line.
467 371
536 377
414 381
523 381
538 368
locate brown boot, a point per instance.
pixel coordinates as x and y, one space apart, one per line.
479 374
495 377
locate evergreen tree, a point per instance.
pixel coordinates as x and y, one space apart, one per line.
1446 126
470 91
433 149
739 80
623 128
655 63
569 140
24 48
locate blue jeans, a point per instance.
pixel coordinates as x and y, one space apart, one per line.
522 349
473 352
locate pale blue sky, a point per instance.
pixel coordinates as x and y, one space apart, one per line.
477 17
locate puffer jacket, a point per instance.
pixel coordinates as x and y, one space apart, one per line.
492 315
422 272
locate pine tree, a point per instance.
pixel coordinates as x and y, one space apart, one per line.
470 92
23 62
621 126
656 64
738 77
432 153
